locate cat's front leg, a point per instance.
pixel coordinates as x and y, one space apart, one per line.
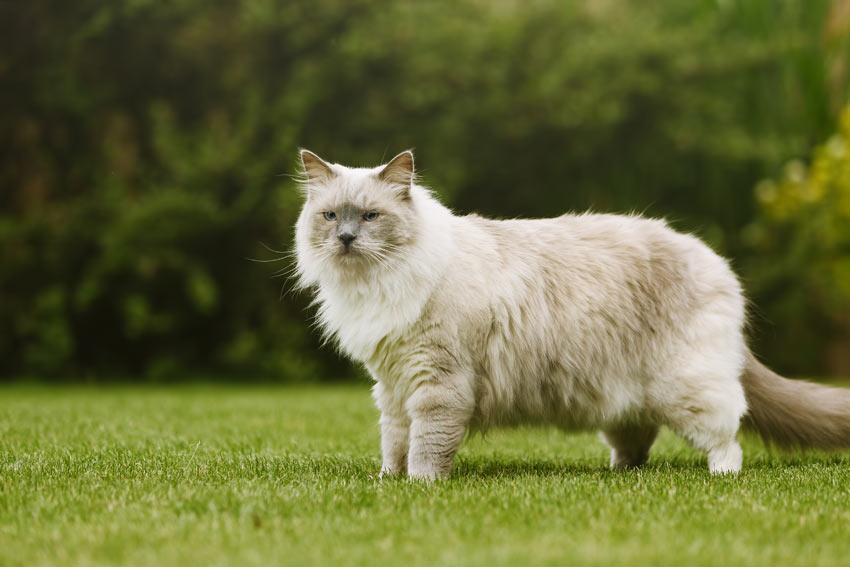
440 414
395 436
395 430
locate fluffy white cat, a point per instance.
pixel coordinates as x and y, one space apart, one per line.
615 323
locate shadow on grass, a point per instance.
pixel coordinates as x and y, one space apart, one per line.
797 459
493 467
520 468
499 468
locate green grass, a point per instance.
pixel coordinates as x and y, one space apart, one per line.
259 476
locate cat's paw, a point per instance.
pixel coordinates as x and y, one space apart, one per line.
388 472
426 474
725 459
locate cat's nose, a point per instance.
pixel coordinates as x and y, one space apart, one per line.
347 238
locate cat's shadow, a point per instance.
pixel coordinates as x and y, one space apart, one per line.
495 468
520 468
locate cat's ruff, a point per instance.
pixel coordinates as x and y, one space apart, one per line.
608 322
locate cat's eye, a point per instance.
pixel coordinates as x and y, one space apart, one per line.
330 215
370 216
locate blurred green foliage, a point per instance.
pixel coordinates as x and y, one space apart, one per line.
147 148
801 264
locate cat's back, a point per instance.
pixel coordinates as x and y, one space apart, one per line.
588 237
593 255
594 229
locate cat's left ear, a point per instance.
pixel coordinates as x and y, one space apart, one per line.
399 173
315 167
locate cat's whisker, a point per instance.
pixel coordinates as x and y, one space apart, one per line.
378 257
285 273
270 249
257 260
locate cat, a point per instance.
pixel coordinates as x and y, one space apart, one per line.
587 321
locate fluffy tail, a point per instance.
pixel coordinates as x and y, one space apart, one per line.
794 413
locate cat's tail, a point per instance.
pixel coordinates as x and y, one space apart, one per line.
794 413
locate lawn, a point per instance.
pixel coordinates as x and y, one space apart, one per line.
280 475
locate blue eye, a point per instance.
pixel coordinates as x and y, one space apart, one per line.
330 215
370 216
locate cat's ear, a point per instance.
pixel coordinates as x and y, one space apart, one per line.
399 172
315 167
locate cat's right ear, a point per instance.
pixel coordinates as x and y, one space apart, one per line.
399 173
315 168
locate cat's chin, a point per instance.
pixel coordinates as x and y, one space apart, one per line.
351 256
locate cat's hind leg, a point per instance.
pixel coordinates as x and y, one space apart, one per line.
629 444
707 412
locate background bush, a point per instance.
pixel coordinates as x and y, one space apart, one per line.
147 147
801 260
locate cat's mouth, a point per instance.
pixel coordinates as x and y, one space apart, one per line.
353 255
349 253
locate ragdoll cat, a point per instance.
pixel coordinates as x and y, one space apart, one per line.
615 323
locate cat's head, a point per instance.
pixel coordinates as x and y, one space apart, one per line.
354 218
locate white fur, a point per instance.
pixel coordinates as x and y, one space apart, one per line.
616 323
379 303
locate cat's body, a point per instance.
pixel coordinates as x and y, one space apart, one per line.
607 322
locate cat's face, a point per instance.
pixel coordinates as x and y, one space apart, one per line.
355 216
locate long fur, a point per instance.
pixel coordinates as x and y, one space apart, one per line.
795 413
608 322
